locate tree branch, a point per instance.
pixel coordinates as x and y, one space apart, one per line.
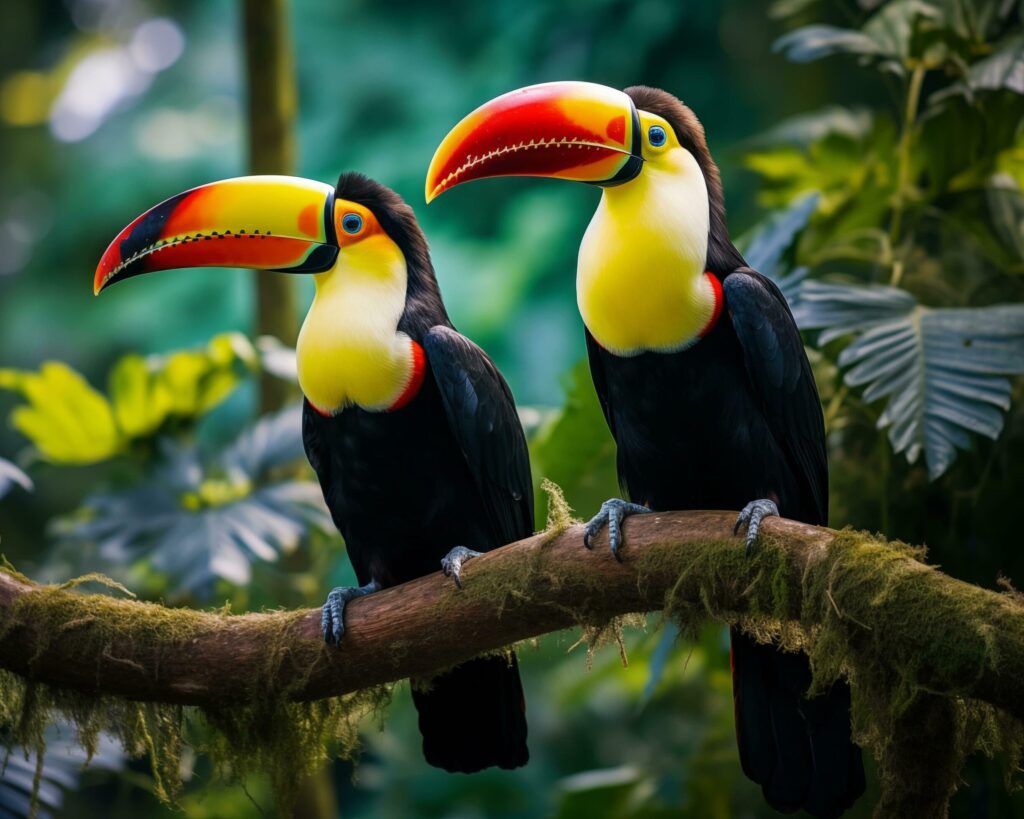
885 602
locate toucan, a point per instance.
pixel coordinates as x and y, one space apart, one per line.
699 368
409 426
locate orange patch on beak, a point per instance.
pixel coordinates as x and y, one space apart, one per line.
309 221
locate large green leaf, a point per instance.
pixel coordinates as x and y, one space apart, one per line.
804 129
63 762
942 371
892 27
1002 69
71 422
887 36
67 419
201 518
764 246
848 167
813 42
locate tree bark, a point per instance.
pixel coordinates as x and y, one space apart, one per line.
538 585
922 648
273 106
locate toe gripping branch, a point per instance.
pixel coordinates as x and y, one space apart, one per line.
452 562
332 618
752 515
613 512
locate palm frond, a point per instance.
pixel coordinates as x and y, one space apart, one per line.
199 518
63 762
942 371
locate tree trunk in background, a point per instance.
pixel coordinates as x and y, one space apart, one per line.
272 113
273 108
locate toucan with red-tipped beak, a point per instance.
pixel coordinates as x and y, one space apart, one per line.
699 368
411 429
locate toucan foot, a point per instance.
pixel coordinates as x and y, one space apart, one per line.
613 512
752 515
332 619
452 562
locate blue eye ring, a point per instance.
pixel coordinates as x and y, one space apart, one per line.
351 223
656 136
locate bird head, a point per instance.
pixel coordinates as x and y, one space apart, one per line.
638 144
578 131
375 286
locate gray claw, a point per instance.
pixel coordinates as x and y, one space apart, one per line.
613 512
452 562
752 515
332 616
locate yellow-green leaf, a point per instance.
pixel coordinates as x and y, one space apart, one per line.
66 418
139 407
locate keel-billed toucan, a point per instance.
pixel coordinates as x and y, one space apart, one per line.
409 426
699 368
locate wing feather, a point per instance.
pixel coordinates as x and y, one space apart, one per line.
782 380
482 415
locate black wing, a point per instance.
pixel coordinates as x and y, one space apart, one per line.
482 415
782 380
319 456
316 452
597 375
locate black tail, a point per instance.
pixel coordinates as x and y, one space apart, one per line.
797 749
474 717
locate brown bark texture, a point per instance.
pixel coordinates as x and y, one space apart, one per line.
538 585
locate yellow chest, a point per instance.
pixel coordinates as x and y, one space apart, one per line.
349 349
640 282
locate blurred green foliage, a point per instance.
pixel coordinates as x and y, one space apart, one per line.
70 422
897 161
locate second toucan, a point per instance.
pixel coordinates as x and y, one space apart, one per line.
699 368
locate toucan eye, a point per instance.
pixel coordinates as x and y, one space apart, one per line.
351 223
656 136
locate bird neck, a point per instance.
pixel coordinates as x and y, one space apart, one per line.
350 351
641 282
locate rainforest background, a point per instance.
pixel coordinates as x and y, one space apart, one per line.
152 435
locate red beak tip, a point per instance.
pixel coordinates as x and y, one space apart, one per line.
98 283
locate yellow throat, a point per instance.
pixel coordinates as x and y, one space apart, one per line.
350 350
640 281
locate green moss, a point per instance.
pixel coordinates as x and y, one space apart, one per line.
560 516
611 631
848 611
920 739
503 591
264 732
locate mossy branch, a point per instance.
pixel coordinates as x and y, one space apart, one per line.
919 647
943 635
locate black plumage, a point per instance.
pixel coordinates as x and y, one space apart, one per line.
405 486
733 418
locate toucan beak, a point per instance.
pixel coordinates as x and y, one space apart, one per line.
567 130
263 222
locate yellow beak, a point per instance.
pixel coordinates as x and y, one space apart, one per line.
263 222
